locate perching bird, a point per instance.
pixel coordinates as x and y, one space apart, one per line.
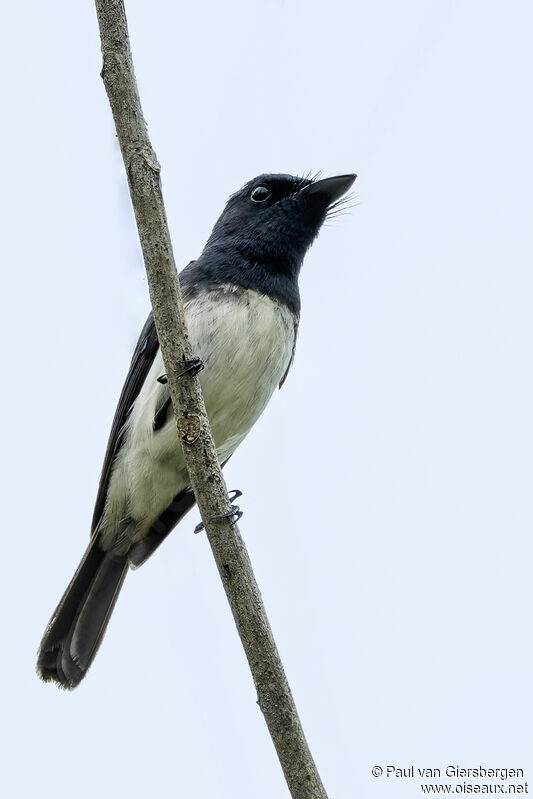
242 309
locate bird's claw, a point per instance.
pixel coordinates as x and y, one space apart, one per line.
192 367
234 511
236 494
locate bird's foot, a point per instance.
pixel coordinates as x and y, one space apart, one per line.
234 511
192 367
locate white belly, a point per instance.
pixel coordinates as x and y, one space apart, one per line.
245 341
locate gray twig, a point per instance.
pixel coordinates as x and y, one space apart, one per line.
143 171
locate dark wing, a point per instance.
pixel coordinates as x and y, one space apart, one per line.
180 505
141 362
287 370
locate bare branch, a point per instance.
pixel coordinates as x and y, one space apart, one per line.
142 168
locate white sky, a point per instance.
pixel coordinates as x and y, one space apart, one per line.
387 489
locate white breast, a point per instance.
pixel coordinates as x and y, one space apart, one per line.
245 341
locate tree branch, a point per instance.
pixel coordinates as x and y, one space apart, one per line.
274 695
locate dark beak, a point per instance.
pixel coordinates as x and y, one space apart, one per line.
330 188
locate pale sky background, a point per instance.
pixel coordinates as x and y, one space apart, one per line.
387 488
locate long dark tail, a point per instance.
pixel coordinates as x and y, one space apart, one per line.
75 630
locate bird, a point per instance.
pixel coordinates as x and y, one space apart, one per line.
242 309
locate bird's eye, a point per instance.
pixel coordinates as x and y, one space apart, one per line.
260 194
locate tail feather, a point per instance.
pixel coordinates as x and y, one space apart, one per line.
75 631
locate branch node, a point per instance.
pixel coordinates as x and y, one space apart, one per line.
189 426
150 158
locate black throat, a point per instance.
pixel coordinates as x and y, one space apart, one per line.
240 265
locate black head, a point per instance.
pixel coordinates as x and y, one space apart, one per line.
261 237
